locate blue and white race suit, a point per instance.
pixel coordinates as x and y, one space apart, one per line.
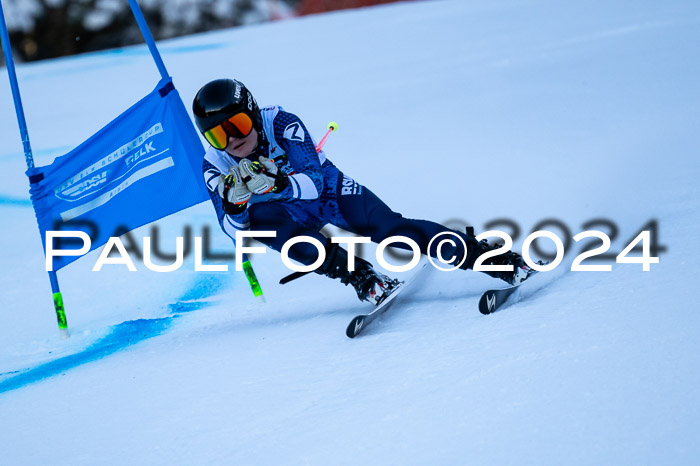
318 194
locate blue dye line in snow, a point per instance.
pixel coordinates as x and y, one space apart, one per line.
13 201
171 50
114 58
120 337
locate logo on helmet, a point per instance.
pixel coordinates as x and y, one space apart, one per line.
250 102
237 91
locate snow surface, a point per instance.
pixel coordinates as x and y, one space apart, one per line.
455 111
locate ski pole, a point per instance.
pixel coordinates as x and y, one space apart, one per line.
332 126
252 279
247 266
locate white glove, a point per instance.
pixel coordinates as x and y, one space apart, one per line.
233 191
262 176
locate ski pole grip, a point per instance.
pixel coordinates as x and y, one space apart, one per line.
332 126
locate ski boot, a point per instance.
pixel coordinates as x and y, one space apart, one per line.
520 270
369 284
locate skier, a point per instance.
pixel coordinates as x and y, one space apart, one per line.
262 172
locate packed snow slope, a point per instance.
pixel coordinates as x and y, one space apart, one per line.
461 112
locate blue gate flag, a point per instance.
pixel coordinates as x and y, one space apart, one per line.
142 166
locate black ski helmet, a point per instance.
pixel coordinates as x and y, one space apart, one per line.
219 100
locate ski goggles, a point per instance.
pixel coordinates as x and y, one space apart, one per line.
238 126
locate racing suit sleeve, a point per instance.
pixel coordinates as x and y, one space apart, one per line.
228 223
306 181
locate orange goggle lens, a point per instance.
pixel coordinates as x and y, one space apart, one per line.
238 126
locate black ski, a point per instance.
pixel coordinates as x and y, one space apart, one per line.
359 323
492 300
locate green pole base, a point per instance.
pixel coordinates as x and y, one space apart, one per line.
252 279
60 314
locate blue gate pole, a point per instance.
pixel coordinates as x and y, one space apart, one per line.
10 64
143 26
146 33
